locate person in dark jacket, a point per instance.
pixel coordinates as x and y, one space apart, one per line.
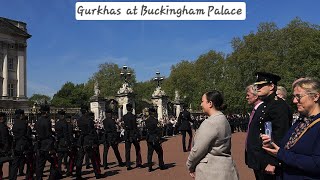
153 139
276 111
254 154
299 150
46 140
72 131
184 127
62 137
5 142
131 137
111 139
86 144
22 146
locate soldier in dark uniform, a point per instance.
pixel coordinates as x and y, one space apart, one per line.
184 120
277 111
111 139
153 139
86 144
5 142
63 140
22 146
46 140
131 137
73 136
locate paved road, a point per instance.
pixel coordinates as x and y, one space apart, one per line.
174 157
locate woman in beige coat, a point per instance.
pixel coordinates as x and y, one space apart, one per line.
210 157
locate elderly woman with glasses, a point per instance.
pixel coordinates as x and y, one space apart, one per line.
299 151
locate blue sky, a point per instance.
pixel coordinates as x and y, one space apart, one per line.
63 49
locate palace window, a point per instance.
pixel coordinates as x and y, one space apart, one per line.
11 90
10 64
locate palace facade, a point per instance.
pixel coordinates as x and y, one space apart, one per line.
13 61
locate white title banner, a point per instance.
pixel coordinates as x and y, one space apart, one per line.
160 10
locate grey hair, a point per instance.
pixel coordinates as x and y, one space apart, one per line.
310 85
252 88
283 91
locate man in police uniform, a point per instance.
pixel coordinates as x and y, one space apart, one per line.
153 140
111 139
131 137
277 111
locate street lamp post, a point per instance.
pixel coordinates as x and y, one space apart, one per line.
158 78
125 73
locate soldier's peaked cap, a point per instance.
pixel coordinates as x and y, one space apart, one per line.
266 78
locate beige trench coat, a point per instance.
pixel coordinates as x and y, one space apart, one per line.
210 157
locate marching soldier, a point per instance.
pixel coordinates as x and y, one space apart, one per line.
153 140
131 136
5 143
63 140
111 139
22 146
86 144
184 126
73 136
45 145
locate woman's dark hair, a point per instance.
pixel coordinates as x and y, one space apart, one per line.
216 98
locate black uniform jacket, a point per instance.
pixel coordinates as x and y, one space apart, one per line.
88 135
4 140
153 134
45 137
110 130
184 120
130 126
22 135
62 134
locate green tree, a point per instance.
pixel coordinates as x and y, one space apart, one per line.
108 77
39 99
71 95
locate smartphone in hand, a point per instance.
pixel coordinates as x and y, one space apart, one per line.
268 128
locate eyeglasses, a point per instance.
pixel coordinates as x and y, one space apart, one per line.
299 96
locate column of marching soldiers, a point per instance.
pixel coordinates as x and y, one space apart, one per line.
69 140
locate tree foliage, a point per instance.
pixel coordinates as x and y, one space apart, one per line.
71 95
39 99
291 52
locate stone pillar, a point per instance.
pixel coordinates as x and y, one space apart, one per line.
177 109
124 96
98 106
21 75
123 100
5 74
177 103
160 100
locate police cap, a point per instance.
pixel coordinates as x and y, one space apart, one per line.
266 78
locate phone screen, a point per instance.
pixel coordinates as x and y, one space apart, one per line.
268 128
